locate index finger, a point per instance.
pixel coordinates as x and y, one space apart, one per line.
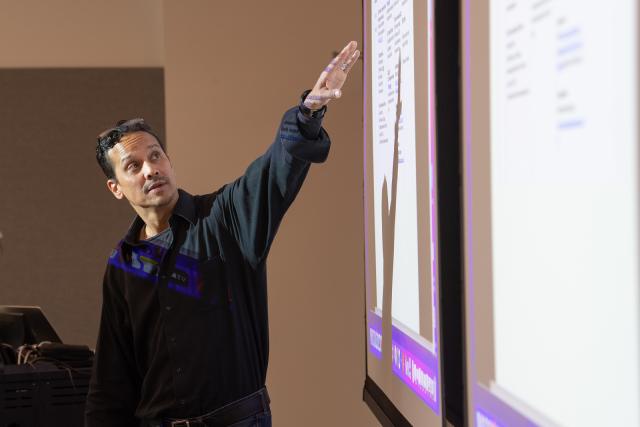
343 56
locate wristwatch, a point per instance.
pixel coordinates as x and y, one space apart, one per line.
308 112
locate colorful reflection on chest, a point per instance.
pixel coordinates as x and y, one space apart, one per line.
184 276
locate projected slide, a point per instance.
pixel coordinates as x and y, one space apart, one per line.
400 205
551 212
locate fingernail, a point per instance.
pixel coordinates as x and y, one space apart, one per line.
338 94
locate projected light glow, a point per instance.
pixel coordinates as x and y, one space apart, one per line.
145 259
416 366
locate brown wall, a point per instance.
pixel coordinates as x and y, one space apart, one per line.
81 33
231 70
58 219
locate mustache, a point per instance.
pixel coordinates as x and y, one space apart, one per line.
154 182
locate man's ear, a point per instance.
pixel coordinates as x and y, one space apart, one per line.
114 187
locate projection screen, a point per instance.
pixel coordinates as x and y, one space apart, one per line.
400 206
550 123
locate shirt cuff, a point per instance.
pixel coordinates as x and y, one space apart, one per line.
303 137
309 126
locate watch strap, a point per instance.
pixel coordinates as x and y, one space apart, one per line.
308 112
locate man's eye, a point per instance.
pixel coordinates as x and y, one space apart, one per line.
132 166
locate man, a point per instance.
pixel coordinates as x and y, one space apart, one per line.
183 337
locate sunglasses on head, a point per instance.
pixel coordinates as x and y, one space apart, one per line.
115 133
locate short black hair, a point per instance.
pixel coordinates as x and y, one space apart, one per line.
110 137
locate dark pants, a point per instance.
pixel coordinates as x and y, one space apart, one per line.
249 411
260 420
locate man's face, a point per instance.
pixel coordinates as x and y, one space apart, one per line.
144 174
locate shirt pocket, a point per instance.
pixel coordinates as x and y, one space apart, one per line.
199 284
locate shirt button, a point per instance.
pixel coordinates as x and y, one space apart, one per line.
182 402
168 308
179 370
172 340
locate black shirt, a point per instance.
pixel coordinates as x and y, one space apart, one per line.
184 326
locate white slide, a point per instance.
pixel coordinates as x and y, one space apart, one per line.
392 35
564 212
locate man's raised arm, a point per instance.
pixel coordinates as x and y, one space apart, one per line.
252 207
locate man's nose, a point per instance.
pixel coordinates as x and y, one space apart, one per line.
150 170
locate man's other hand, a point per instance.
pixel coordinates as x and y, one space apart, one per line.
330 82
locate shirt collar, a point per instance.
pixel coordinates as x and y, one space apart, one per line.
185 208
